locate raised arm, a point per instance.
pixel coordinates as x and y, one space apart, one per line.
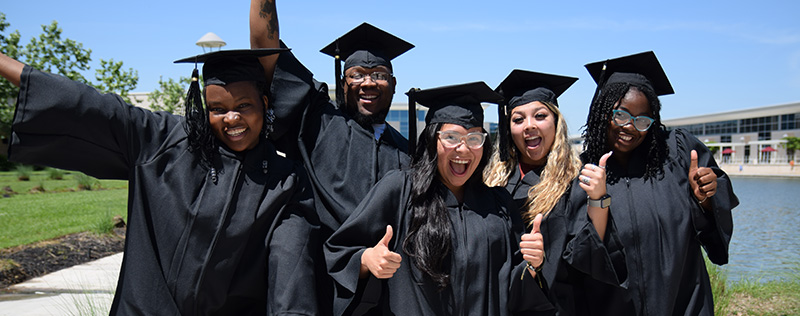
10 69
264 32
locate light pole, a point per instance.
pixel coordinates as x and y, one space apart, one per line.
210 41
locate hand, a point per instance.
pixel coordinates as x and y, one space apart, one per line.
593 178
379 260
703 180
532 245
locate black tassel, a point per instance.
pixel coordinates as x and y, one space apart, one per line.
503 132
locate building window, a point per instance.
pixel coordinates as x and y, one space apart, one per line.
790 121
759 124
764 136
724 127
725 139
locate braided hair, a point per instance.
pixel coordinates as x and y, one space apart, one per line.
597 124
428 240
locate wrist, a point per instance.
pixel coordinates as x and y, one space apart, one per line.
602 202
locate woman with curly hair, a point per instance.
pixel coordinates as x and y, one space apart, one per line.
669 197
444 239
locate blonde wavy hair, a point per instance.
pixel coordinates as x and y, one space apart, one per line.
562 166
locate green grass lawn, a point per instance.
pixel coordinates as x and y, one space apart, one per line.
62 209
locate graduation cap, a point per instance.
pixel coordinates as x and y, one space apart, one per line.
366 46
642 68
228 66
456 104
522 87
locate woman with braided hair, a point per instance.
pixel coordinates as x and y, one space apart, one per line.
669 197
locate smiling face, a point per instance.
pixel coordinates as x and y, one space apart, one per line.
456 165
533 130
624 139
370 99
236 113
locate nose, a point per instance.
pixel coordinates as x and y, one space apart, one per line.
529 124
232 116
368 81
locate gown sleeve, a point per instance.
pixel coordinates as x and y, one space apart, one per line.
363 229
293 248
714 227
65 124
602 260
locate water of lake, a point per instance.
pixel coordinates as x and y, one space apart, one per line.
766 229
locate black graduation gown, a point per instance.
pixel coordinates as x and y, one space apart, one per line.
342 158
663 228
194 246
485 268
573 248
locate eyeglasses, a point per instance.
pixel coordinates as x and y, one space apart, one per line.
357 78
452 139
622 118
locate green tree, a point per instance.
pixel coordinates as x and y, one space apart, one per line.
112 78
791 144
169 96
49 52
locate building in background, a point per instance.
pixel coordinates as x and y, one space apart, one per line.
749 136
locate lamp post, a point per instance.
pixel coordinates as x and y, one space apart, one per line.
210 41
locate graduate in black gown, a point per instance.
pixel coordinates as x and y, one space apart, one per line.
670 199
346 146
218 222
434 240
535 162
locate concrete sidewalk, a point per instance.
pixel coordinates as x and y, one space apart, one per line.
86 289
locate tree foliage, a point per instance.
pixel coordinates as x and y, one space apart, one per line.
169 96
51 53
792 144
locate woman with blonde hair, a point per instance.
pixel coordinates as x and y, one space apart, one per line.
536 164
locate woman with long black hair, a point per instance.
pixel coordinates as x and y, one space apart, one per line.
444 240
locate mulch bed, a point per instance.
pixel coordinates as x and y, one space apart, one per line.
24 262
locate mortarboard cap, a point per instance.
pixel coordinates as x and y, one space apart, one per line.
367 46
228 66
522 87
457 104
642 68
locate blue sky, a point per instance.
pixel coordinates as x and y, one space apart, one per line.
719 55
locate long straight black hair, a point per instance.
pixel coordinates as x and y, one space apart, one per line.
428 240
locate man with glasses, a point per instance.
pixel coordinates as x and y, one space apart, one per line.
346 146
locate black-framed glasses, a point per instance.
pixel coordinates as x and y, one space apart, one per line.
622 118
451 139
358 78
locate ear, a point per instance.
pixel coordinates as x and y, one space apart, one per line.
393 83
266 102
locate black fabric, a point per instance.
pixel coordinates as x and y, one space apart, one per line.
367 46
645 64
342 158
485 267
229 66
457 104
574 251
240 246
663 228
523 87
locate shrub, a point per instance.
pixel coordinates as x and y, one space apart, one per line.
55 174
24 172
6 165
86 182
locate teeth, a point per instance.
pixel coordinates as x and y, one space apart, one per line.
369 97
459 161
235 131
625 137
532 137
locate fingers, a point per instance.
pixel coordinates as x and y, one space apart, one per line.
387 237
604 159
537 222
693 164
532 248
706 181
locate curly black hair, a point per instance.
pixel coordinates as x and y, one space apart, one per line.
428 240
595 131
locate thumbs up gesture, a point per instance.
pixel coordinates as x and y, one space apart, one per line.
703 180
532 245
593 178
379 260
